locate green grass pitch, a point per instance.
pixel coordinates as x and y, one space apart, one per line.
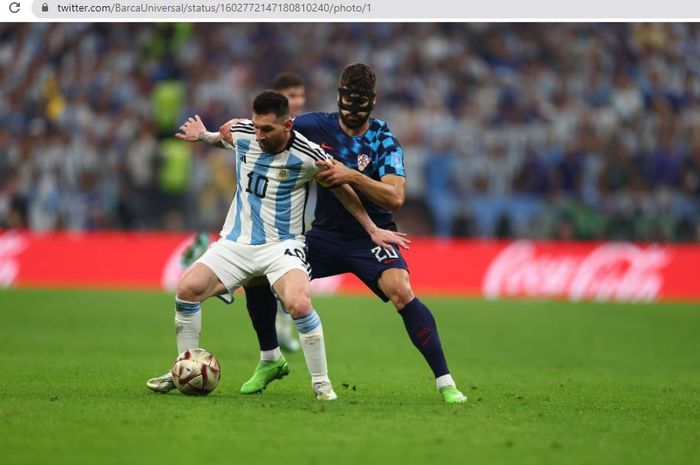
548 383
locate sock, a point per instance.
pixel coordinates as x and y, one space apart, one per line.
444 380
262 307
311 338
188 324
421 328
270 355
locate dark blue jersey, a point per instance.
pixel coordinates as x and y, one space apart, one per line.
375 153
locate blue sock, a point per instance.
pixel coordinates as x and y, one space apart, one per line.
308 323
421 328
262 308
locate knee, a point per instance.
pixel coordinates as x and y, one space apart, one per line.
191 289
298 306
400 294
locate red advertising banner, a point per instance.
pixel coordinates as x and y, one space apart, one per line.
604 271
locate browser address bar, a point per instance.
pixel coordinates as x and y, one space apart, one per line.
344 10
194 9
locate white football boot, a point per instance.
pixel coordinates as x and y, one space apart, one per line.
161 384
324 391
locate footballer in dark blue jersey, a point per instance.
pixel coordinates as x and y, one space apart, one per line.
374 153
337 243
368 157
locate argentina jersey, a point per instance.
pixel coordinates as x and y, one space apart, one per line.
376 153
272 188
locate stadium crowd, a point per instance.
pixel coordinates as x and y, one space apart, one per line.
565 131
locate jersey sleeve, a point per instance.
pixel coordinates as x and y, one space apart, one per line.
310 153
242 130
389 155
319 154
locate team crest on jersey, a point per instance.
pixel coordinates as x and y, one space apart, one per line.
282 174
362 162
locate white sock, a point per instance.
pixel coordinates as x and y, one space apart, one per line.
444 380
270 355
188 324
312 343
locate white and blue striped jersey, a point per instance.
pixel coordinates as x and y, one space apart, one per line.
272 189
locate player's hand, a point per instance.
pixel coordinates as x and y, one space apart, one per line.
225 129
385 238
334 173
191 129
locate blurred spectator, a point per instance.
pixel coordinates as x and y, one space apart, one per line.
569 130
440 194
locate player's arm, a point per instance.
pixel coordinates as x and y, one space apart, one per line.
389 193
194 130
382 237
225 130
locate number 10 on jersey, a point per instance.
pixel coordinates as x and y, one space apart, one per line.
257 184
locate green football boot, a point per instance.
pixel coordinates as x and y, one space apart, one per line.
196 249
265 373
451 395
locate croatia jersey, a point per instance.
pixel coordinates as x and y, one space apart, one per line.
272 188
376 153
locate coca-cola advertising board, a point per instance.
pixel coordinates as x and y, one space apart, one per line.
604 271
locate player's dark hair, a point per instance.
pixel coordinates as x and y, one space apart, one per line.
358 76
271 101
287 79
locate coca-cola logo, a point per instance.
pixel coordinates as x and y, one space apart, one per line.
610 271
11 245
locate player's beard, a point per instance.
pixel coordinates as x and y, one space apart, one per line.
353 120
271 146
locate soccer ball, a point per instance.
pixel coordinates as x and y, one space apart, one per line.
196 372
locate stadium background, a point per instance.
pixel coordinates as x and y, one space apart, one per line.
520 139
561 131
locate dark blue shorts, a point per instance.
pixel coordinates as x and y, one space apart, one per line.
330 254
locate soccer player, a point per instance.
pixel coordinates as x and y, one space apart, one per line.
370 159
292 86
264 232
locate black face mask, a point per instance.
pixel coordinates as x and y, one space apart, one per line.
360 102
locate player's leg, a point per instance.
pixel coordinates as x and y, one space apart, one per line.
262 307
385 272
260 301
322 263
293 290
285 331
196 285
421 328
217 272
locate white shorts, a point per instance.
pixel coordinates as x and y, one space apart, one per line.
235 264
